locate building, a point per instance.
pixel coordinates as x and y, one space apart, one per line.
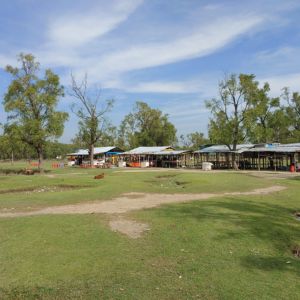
163 156
101 155
274 156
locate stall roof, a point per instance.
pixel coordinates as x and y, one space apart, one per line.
174 152
277 149
97 150
79 152
150 150
223 148
242 148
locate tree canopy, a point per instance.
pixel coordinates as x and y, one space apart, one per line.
146 126
31 103
230 109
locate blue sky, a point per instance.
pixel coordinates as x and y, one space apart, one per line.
170 54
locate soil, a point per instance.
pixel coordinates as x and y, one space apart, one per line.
130 228
134 201
130 202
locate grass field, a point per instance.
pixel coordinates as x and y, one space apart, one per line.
229 247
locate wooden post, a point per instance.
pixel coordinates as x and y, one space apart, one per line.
258 162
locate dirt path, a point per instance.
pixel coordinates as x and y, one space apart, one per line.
133 201
129 202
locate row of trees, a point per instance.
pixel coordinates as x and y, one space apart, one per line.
243 112
34 123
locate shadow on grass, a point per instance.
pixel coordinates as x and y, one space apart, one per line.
268 263
273 224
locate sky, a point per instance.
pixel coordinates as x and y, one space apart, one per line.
170 54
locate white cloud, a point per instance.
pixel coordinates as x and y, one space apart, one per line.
6 60
277 83
177 87
78 29
281 53
208 39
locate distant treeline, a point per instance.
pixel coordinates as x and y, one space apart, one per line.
23 151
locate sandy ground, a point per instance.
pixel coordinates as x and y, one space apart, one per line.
133 201
130 202
130 228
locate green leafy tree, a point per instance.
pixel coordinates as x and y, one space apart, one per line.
91 113
193 140
230 110
31 103
280 124
293 114
260 116
146 126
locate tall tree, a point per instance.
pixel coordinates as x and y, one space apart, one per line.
31 103
146 126
229 111
91 113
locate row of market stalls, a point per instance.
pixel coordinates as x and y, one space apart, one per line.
273 156
247 156
163 157
102 155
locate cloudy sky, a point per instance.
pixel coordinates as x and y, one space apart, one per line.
170 54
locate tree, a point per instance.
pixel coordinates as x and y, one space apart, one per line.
280 124
31 102
10 143
91 114
229 111
193 140
260 116
146 126
293 113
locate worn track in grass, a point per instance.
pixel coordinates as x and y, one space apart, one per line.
134 201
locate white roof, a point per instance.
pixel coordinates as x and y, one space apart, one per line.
97 150
223 148
275 147
79 152
172 152
279 149
148 150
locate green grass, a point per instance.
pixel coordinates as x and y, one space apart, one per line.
223 248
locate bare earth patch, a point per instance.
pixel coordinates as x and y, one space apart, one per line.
130 228
130 202
134 201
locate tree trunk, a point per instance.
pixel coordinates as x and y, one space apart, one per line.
92 155
233 156
40 156
12 157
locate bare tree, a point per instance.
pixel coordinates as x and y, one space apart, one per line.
91 112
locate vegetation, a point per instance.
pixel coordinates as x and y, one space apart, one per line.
91 116
194 141
32 102
147 127
231 247
244 112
